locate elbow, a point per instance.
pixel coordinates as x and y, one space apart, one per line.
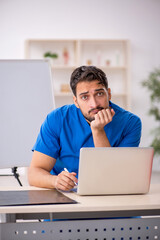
30 177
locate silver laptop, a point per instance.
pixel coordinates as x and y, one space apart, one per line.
106 171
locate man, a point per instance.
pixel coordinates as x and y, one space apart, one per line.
92 121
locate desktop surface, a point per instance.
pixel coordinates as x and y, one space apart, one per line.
104 212
112 205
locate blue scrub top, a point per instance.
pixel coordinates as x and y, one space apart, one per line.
65 131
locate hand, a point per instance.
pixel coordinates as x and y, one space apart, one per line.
65 181
102 118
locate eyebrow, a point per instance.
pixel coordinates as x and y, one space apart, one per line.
96 90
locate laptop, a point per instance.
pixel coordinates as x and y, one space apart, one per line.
110 171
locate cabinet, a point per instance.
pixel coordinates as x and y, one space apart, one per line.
112 56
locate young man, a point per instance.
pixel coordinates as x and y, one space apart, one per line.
93 121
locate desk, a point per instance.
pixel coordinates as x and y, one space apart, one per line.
90 214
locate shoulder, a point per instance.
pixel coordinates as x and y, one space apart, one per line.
55 119
62 112
127 117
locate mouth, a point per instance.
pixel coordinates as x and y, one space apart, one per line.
95 110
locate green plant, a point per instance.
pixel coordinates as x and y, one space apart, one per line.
51 55
153 85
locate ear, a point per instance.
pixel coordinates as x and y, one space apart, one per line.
75 101
109 94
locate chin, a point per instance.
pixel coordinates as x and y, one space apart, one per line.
90 119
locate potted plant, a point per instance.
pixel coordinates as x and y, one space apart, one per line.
152 83
50 55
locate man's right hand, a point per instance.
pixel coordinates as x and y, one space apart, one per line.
39 174
65 181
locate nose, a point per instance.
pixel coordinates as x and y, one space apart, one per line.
93 102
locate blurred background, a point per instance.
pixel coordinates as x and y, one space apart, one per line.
84 32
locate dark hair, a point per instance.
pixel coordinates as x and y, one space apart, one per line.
87 73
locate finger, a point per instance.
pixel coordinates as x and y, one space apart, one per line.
102 116
65 179
68 180
74 179
105 116
62 186
71 176
97 117
67 185
108 114
112 112
58 184
73 173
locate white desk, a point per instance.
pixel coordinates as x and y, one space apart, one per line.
96 208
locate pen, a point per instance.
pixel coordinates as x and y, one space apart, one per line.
65 169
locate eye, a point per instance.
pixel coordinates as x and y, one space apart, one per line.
99 94
84 97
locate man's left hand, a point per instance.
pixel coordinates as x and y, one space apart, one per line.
102 118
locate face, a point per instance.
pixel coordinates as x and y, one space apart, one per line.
91 98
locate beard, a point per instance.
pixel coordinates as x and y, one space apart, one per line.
87 116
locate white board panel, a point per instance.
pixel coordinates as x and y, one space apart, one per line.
25 100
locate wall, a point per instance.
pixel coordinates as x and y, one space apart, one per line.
122 19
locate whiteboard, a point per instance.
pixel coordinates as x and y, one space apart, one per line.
25 100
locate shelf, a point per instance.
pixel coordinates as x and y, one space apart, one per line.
59 67
119 95
101 67
63 94
112 67
110 55
70 94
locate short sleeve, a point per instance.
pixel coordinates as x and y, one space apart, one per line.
48 138
132 132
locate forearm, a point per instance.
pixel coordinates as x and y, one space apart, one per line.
100 138
39 177
102 118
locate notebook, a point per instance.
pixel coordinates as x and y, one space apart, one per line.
110 171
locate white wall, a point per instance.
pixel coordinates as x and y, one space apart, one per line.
136 20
